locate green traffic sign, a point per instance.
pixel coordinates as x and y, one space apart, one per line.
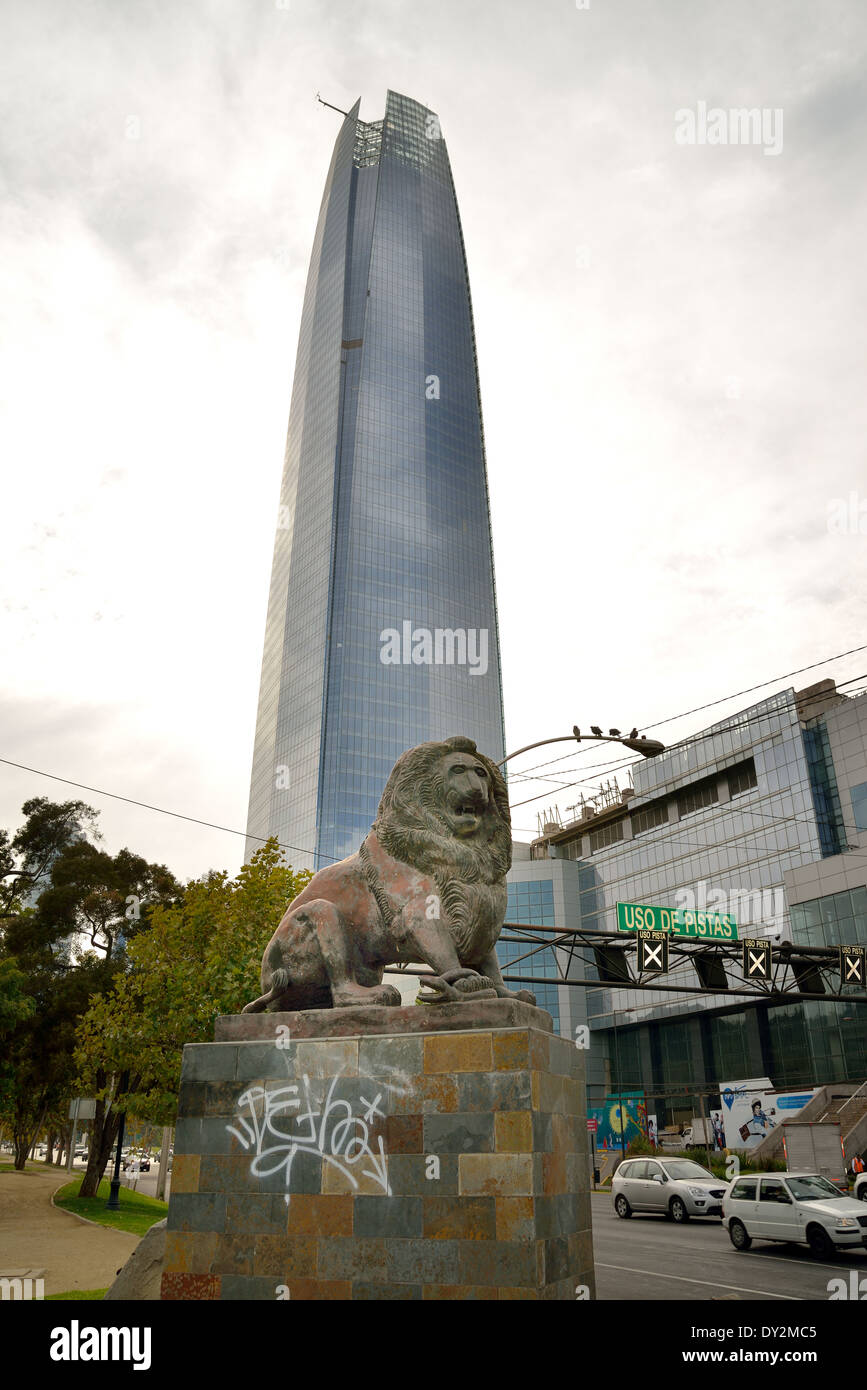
708 926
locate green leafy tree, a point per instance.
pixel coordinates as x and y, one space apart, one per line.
68 945
199 959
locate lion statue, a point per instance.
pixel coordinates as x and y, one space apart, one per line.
428 884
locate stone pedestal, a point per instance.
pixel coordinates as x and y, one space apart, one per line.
413 1153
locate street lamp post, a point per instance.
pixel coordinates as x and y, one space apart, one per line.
648 747
113 1203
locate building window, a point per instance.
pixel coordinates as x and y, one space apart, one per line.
606 835
859 805
649 818
742 779
697 797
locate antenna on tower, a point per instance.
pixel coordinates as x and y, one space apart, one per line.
330 107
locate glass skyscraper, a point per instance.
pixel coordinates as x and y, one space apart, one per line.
382 626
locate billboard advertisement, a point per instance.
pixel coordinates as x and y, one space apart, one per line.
752 1109
626 1113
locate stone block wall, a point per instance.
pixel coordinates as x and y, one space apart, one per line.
435 1164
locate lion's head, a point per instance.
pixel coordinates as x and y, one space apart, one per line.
445 810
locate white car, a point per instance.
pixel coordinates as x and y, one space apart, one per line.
676 1187
804 1208
861 1187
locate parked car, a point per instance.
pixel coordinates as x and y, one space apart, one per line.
137 1163
675 1186
804 1208
860 1189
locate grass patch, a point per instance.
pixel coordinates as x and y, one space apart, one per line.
73 1295
136 1215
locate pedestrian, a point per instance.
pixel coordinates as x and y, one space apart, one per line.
857 1165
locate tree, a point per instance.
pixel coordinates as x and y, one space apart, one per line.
26 860
200 958
68 944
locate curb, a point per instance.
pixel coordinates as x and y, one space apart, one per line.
74 1214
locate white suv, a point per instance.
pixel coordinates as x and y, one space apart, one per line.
801 1207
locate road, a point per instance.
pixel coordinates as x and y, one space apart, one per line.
647 1257
146 1183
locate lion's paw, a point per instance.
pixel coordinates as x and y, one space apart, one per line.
474 984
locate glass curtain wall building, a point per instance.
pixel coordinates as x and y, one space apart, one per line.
382 627
759 816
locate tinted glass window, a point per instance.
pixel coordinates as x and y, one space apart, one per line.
744 1189
772 1190
637 1170
653 1168
813 1189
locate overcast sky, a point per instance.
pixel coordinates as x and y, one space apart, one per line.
671 343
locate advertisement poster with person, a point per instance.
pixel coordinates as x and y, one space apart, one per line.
752 1109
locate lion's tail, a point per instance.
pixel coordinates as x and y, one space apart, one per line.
280 981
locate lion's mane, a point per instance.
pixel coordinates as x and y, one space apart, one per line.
411 826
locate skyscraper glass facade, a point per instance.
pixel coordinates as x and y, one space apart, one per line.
382 628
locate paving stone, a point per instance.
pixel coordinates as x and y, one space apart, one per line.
190 1252
513 1131
458 1052
248 1290
317 1290
320 1216
428 1095
543 1132
190 1287
459 1218
233 1255
511 1051
327 1057
185 1173
282 1257
218 1098
462 1293
422 1261
404 1134
496 1175
556 1259
258 1212
496 1262
352 1258
195 1211
503 1090
188 1132
516 1218
209 1062
399 1058
407 1175
259 1059
402 1293
222 1174
388 1216
469 1132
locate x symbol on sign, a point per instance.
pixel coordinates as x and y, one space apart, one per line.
853 968
757 963
653 955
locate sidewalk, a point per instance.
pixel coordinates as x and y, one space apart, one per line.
36 1236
